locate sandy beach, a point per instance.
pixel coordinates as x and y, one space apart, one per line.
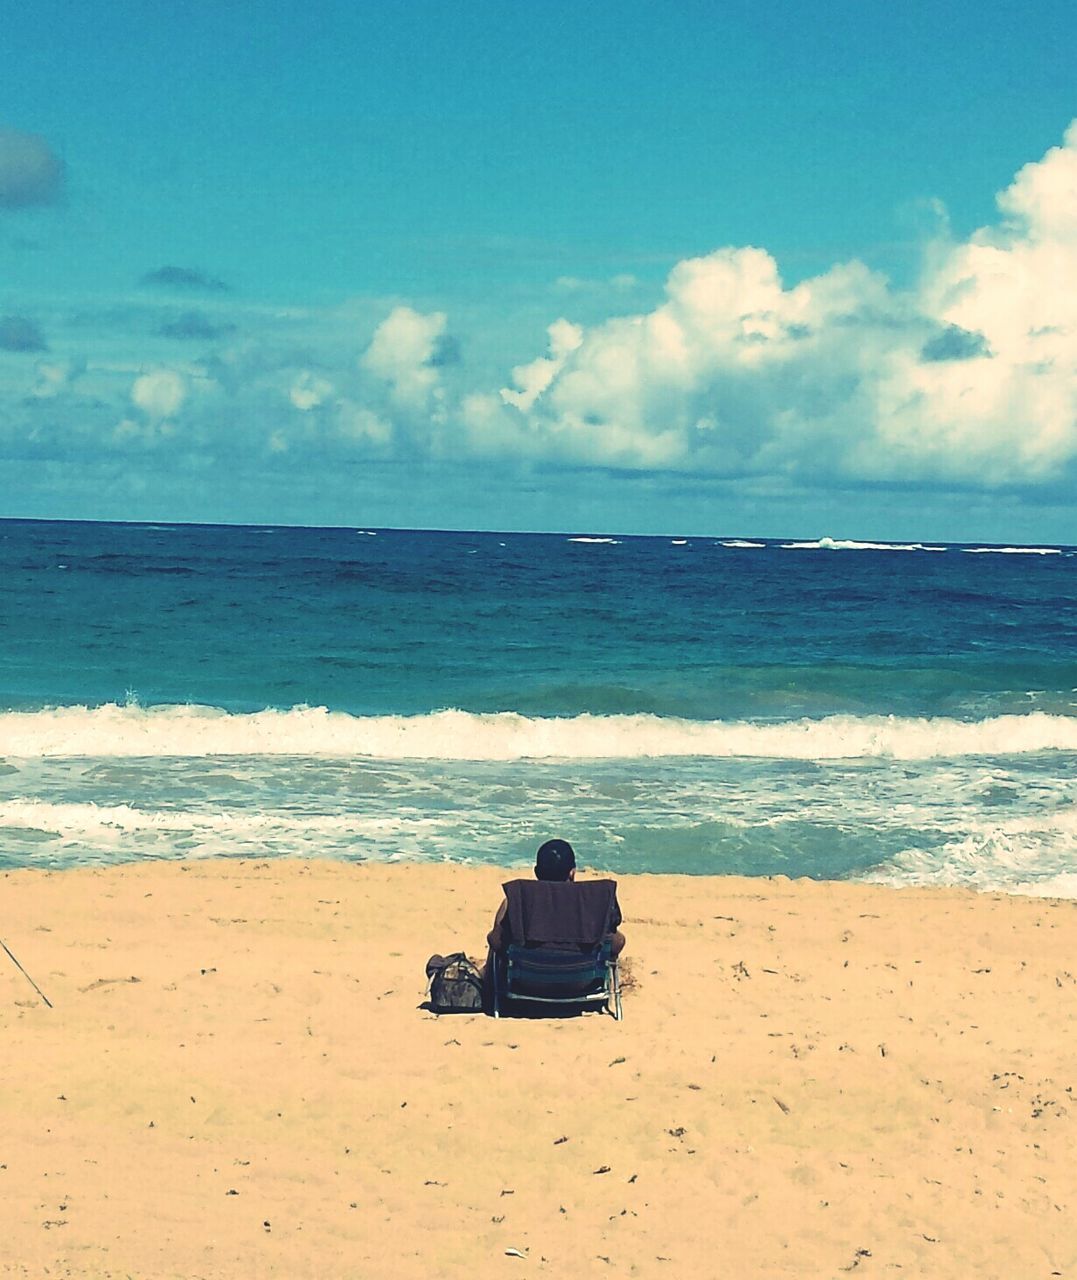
237 1080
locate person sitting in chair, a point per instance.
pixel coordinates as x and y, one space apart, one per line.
559 918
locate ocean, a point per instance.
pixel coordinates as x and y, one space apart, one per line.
904 714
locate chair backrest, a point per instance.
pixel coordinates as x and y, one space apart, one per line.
561 913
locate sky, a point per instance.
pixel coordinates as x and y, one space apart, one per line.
772 270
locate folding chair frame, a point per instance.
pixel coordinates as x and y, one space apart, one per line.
609 998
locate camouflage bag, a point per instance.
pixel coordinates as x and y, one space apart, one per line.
455 984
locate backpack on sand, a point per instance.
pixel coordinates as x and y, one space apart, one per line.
455 984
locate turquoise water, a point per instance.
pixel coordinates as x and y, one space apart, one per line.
699 705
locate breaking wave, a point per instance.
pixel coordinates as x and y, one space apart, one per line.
193 731
845 544
1030 855
1013 551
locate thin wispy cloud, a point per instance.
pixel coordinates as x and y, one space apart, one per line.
183 278
194 325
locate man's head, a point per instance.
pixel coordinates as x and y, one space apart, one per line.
555 861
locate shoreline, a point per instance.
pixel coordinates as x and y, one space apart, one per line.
812 1077
1061 888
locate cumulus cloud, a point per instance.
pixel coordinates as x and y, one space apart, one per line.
1015 286
184 278
19 333
403 353
969 377
531 380
30 173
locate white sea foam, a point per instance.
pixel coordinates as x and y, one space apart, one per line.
91 820
1062 885
194 731
740 542
1012 551
610 542
1026 855
846 544
71 833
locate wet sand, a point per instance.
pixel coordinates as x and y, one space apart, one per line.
237 1080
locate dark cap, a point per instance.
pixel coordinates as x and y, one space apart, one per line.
555 859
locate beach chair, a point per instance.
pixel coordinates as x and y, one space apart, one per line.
559 955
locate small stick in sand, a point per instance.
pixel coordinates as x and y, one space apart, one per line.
25 974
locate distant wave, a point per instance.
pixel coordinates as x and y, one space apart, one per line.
845 544
1012 551
133 731
611 542
740 542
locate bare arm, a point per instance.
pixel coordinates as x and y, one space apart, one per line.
495 938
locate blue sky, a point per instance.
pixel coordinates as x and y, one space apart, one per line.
781 269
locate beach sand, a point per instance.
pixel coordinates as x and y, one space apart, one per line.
237 1080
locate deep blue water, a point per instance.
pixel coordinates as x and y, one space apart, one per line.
695 706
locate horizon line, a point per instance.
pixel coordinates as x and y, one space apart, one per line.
866 542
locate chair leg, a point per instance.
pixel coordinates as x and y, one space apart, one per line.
496 984
615 989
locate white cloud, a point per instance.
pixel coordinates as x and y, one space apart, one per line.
308 391
1013 414
159 394
403 354
532 379
970 377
